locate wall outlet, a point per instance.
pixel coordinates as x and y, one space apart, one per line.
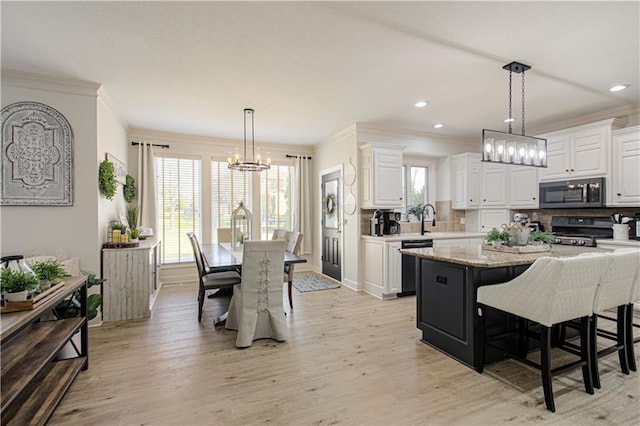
462 221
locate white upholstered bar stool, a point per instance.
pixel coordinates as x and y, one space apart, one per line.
634 297
613 291
256 309
549 292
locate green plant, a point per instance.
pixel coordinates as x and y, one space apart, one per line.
70 307
132 216
542 236
129 190
117 226
495 235
50 270
16 281
107 179
415 210
134 233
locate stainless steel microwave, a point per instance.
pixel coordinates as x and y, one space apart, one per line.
572 194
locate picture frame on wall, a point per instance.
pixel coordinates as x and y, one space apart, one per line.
120 170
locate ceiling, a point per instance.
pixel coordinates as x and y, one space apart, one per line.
312 69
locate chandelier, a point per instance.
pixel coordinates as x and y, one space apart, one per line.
509 148
254 165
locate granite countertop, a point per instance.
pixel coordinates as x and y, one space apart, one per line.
426 236
477 257
621 243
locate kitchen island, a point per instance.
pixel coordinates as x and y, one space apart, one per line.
448 279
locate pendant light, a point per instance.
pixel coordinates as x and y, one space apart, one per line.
254 165
509 148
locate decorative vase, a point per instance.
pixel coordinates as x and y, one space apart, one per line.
620 231
17 296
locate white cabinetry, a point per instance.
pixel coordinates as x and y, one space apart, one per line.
132 274
523 187
624 189
485 219
394 268
494 185
465 170
581 151
381 170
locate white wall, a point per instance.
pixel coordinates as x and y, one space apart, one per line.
74 229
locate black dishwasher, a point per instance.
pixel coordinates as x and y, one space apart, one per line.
409 266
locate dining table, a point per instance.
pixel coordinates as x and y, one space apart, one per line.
221 257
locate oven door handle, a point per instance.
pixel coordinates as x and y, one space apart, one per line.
585 193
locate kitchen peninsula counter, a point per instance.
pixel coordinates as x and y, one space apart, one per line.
447 282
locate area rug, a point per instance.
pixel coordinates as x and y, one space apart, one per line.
311 282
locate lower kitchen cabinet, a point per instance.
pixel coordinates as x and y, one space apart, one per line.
33 383
382 268
132 281
393 284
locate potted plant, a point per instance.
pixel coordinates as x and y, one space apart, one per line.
497 238
49 272
134 234
16 285
132 216
70 307
541 237
414 212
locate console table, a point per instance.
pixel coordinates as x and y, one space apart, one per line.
33 383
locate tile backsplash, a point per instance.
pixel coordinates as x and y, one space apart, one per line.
447 220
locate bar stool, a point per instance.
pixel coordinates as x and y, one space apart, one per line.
634 297
551 291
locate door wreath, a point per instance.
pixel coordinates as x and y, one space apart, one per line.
329 204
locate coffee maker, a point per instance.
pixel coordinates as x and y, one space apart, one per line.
376 224
391 226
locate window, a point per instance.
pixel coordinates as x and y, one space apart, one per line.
228 188
416 192
178 206
275 200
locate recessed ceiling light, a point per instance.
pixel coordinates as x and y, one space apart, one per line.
509 120
421 104
438 126
618 87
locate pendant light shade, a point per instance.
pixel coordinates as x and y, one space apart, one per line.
509 148
253 164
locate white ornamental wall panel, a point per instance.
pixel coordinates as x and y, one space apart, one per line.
37 156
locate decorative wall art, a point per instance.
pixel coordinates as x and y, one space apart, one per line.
121 171
37 156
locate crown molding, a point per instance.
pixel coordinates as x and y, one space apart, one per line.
104 97
336 137
629 113
371 130
50 83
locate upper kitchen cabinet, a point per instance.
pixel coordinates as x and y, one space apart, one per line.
494 185
578 152
523 187
624 179
465 171
381 182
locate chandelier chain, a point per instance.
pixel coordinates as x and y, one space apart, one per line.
523 103
510 129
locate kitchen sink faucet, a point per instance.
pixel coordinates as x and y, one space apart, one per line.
424 210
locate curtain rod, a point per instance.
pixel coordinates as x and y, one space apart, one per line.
153 144
295 156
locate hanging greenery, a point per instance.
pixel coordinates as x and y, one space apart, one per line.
107 179
129 189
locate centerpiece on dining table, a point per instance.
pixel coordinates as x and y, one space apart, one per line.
515 238
240 225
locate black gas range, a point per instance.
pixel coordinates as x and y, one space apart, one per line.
580 230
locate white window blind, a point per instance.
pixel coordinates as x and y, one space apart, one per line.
178 206
275 199
228 188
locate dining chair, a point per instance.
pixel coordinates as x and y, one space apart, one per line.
209 279
278 234
551 291
256 309
293 240
224 235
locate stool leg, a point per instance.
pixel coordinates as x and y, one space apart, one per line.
593 350
631 357
621 341
481 336
586 346
523 339
545 367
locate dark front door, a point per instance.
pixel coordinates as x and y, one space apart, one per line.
331 225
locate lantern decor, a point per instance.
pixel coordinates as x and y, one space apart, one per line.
240 225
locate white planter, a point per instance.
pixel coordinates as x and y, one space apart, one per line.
620 231
16 297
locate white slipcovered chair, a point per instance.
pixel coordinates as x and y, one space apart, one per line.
613 291
279 234
224 235
256 309
549 292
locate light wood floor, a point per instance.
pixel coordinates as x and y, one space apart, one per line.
351 360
